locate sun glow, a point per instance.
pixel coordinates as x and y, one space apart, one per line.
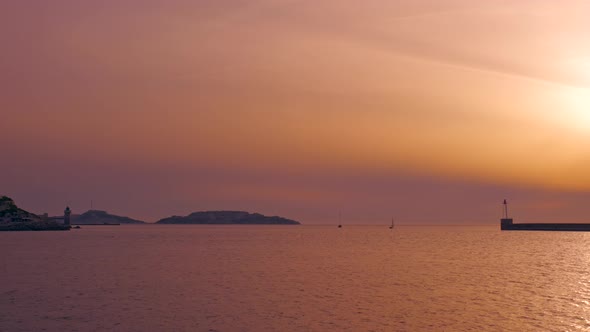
576 109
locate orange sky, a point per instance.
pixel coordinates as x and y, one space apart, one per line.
297 108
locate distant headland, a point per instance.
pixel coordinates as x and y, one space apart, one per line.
13 218
227 218
97 217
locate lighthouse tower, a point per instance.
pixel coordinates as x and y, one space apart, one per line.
67 213
505 222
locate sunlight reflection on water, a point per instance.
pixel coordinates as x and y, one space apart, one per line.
294 278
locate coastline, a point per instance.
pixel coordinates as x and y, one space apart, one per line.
33 226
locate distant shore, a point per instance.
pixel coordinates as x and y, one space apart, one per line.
227 218
33 226
13 218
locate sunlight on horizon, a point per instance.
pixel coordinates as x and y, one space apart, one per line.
493 93
576 110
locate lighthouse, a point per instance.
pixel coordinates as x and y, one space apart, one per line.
67 213
505 222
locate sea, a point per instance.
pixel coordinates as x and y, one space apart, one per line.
294 278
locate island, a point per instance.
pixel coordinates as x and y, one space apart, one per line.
227 218
98 217
13 218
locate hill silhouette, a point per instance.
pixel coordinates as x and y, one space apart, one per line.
9 211
227 218
13 218
102 217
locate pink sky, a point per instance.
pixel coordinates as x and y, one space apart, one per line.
430 111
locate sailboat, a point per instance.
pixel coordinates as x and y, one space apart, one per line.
392 224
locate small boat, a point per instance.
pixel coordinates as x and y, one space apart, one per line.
339 226
392 224
76 227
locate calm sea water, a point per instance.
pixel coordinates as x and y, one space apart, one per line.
294 278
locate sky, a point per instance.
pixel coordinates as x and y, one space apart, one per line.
428 111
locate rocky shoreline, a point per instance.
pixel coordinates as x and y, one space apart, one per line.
33 226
